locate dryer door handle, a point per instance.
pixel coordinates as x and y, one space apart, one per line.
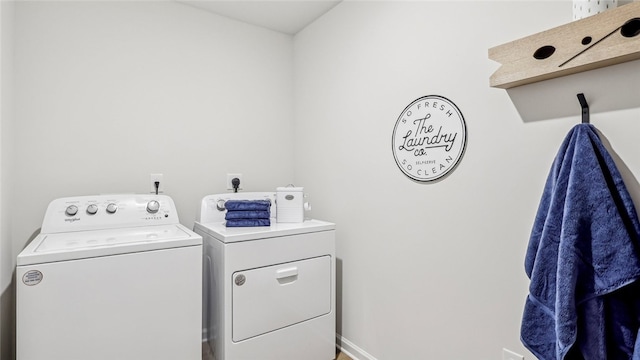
287 273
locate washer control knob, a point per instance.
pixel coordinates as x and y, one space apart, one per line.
112 208
153 206
71 210
92 209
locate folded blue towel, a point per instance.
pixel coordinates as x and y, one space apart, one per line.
583 259
247 205
247 215
247 222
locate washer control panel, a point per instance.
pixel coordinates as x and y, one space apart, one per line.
108 212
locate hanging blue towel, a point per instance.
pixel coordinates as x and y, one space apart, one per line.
248 222
230 215
583 259
247 205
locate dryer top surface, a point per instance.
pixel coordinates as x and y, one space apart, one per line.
219 231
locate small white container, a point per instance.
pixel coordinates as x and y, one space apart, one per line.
586 8
289 204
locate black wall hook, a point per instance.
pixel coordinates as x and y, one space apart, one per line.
585 108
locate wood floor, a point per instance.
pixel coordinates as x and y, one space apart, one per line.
342 356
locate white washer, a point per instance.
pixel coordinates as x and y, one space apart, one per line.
269 292
110 277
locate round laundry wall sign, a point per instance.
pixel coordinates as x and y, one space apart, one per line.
429 138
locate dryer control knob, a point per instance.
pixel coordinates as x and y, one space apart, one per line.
71 210
92 209
112 208
240 280
153 206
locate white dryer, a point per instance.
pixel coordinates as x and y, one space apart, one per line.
269 292
110 277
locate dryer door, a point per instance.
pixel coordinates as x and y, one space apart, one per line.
274 297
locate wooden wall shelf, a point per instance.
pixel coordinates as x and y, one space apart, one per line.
605 39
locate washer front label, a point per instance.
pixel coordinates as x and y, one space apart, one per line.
32 277
429 138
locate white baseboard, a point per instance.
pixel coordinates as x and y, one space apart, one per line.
352 350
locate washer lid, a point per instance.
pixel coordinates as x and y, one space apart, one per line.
47 248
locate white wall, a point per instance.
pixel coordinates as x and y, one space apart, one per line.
428 271
109 92
6 115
